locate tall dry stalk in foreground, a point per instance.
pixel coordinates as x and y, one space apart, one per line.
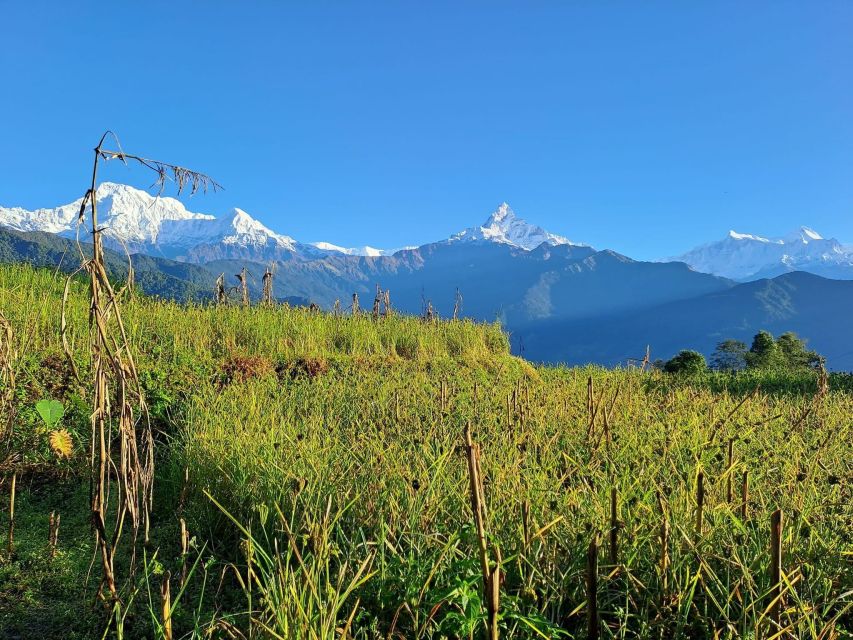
8 356
243 287
119 414
220 294
491 571
266 296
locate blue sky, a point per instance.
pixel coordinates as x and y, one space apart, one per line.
643 127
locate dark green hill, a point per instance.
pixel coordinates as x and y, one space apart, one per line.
154 276
816 308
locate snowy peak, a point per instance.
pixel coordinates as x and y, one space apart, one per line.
803 234
505 227
502 214
136 217
151 224
743 256
734 235
127 215
241 228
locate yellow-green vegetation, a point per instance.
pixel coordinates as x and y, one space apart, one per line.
320 465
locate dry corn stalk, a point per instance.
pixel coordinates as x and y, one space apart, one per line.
53 534
8 357
377 302
593 631
386 312
221 295
12 487
119 414
166 601
243 280
491 572
267 297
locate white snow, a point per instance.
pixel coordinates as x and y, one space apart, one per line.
163 226
366 250
742 256
150 223
505 227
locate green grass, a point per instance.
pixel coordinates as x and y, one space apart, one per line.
42 596
328 486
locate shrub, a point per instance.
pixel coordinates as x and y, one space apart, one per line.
687 362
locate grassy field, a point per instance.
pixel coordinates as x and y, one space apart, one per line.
320 466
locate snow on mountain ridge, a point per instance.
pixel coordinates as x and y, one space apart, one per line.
162 225
154 224
505 227
366 251
127 214
742 256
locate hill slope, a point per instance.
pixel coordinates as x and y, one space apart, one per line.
154 276
816 308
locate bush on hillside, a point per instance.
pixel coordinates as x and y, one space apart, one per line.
686 362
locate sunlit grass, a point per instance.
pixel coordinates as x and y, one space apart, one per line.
327 474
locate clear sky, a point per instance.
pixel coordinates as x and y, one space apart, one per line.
644 127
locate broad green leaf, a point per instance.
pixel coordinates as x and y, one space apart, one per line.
51 411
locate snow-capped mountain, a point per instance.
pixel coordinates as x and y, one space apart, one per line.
742 256
128 214
156 225
163 226
505 227
502 226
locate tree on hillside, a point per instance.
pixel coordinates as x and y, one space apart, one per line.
730 355
795 353
764 352
787 352
687 361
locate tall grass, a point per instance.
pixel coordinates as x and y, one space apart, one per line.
327 471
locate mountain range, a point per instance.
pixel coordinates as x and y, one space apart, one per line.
746 257
561 300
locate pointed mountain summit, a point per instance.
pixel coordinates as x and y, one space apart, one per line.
505 227
803 234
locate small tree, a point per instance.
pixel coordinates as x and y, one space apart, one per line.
730 355
687 362
764 352
794 352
